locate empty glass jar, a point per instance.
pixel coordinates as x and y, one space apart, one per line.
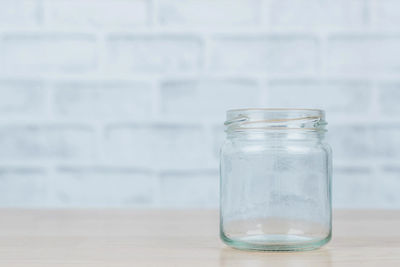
275 180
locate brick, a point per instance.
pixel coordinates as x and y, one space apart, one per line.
153 53
351 141
361 188
37 142
365 141
23 187
208 12
356 54
19 13
190 189
385 14
389 98
315 14
219 137
48 53
337 98
103 99
389 187
103 187
22 97
96 13
196 99
275 54
387 142
157 146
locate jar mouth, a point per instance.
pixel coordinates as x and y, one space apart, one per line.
263 119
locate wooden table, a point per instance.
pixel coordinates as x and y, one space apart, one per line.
179 238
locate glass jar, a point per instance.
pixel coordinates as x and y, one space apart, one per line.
275 180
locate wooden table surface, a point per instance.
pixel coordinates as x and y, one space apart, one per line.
179 238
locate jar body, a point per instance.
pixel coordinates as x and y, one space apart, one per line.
275 191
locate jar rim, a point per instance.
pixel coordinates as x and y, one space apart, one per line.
275 119
275 109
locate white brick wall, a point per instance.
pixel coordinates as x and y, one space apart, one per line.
121 103
363 54
39 142
190 189
158 146
206 100
384 14
265 54
389 95
97 100
315 14
208 13
96 13
19 13
143 53
355 96
22 97
24 187
366 188
48 53
99 186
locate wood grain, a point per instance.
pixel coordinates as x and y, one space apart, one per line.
179 238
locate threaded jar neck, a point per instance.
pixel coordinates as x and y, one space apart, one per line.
275 121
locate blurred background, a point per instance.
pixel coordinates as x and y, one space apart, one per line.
121 103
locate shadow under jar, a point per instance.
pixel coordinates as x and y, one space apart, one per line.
275 187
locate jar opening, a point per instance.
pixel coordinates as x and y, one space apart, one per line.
263 119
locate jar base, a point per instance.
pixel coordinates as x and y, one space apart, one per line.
276 242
